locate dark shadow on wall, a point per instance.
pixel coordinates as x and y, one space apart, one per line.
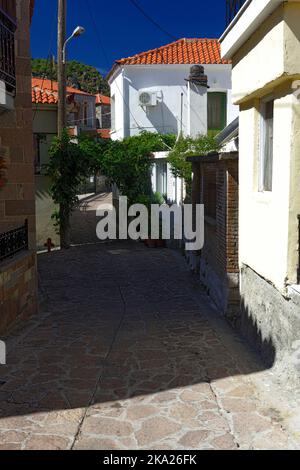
125 321
162 119
224 291
250 329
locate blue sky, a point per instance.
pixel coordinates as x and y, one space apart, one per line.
122 29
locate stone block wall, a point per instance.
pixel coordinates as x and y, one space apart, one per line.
17 197
17 290
271 323
219 269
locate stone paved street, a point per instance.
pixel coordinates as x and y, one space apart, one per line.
128 354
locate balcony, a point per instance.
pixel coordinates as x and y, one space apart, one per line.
232 9
7 52
13 242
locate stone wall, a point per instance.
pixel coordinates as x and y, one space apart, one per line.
219 270
271 323
17 197
17 289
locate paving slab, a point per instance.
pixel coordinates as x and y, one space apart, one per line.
128 353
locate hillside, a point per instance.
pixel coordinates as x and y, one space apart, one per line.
81 76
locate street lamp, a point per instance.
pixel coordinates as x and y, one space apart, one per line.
76 33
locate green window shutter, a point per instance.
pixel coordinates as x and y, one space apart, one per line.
216 112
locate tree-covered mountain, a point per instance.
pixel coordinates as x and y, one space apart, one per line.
81 76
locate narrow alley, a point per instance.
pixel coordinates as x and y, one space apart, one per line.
128 353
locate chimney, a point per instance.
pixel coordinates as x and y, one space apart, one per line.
197 101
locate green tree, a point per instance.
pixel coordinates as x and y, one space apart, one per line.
127 163
79 75
67 168
186 147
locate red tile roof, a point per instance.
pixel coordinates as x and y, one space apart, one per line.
101 99
184 51
46 91
104 133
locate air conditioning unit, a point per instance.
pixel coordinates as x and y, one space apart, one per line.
147 98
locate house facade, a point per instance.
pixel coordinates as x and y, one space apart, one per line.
162 76
263 42
103 116
18 279
81 119
154 91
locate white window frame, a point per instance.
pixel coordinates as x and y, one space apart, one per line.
113 113
262 146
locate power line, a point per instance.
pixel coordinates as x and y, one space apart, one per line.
107 60
149 18
49 58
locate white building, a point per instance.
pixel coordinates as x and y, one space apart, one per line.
151 92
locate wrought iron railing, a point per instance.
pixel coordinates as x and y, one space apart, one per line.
7 51
13 242
232 8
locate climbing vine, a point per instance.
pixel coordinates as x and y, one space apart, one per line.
126 163
187 147
67 168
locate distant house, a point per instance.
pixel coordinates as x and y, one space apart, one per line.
103 116
162 90
81 119
149 91
81 115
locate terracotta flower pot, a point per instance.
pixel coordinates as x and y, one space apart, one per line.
150 243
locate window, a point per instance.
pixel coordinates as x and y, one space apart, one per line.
113 113
266 146
85 114
216 111
161 178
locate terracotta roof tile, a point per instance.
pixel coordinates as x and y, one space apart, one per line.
184 51
46 91
104 133
101 99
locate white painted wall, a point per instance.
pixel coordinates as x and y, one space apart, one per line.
175 186
168 81
119 101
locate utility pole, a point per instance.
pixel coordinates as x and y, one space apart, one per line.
61 67
64 223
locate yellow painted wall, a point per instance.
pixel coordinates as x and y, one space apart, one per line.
267 65
269 56
265 216
44 209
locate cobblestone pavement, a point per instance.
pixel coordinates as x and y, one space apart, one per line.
128 354
84 218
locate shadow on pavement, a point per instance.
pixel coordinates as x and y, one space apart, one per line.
121 321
